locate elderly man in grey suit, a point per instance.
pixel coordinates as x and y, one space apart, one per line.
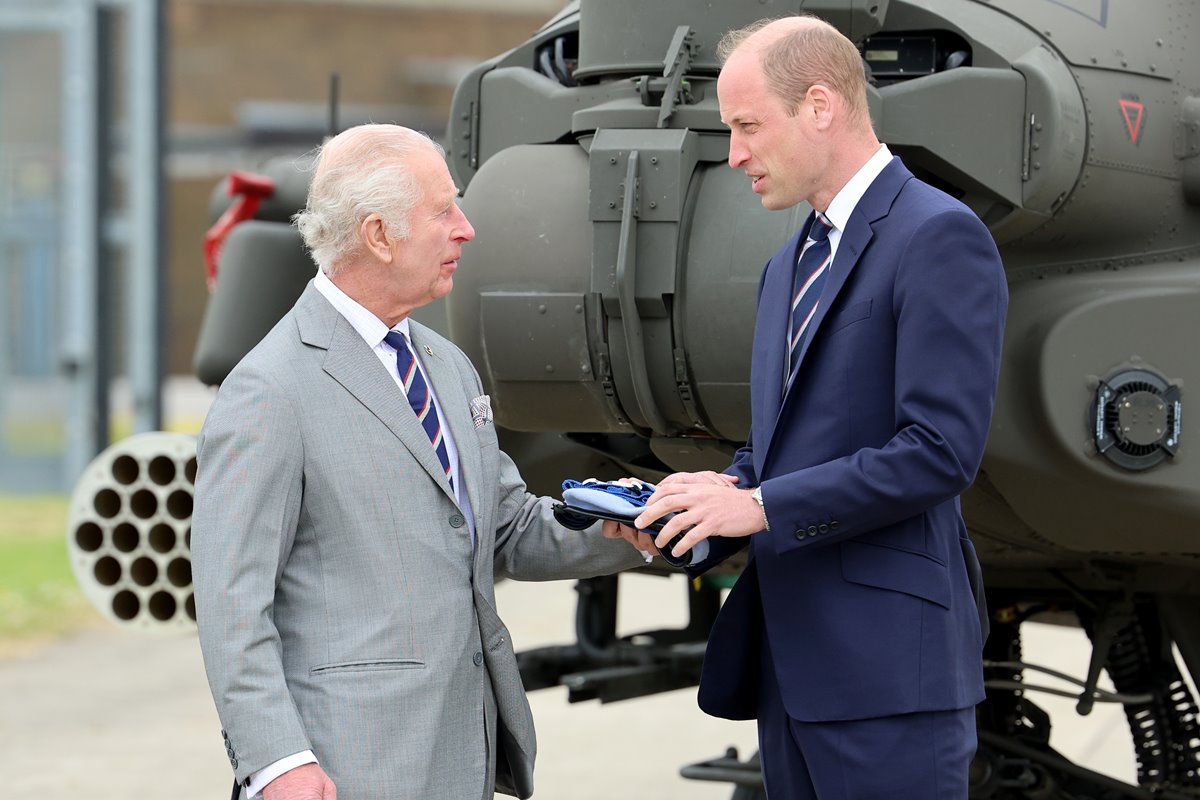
352 508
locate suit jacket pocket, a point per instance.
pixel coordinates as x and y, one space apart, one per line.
848 316
487 437
372 665
898 570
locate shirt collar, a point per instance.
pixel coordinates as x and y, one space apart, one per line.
369 326
844 201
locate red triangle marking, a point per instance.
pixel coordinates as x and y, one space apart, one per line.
1134 125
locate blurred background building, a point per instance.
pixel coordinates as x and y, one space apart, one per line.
118 118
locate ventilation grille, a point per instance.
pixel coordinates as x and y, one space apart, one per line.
1136 419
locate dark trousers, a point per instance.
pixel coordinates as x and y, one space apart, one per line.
921 756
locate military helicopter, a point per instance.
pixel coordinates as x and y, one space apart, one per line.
611 311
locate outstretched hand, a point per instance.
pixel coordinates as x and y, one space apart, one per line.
639 539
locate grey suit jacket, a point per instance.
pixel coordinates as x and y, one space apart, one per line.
341 607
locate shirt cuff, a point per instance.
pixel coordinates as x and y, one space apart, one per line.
259 780
699 551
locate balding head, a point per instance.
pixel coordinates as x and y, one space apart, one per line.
363 170
796 53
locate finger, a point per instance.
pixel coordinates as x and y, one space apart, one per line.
630 535
681 479
667 491
730 479
670 480
669 531
648 516
689 540
627 533
330 792
664 505
612 530
644 542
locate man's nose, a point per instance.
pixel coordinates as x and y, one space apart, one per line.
463 231
738 154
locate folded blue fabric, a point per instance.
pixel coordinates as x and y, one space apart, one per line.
626 498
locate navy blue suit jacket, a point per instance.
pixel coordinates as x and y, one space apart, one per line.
866 584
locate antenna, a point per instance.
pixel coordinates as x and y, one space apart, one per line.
333 103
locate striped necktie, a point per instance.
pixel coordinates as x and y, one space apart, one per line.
419 397
811 270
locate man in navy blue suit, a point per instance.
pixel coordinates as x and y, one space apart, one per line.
854 635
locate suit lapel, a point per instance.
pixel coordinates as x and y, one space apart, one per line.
774 314
352 364
874 205
854 240
772 334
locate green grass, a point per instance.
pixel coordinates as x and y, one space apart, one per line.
38 595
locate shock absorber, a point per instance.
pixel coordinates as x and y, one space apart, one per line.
1165 730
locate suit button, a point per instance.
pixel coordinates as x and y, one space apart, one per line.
812 530
233 762
457 520
833 525
800 533
822 528
477 658
225 736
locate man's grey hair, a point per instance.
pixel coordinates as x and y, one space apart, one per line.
362 171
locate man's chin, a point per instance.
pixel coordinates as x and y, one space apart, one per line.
776 202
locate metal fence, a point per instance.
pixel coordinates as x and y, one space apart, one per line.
72 106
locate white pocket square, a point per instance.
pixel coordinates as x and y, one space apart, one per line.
481 411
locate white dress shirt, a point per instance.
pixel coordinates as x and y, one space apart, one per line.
845 201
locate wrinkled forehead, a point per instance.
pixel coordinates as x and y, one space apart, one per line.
434 175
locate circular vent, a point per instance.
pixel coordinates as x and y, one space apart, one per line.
1135 419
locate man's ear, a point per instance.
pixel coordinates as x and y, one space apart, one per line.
373 233
821 104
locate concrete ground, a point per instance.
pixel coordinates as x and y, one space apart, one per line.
111 714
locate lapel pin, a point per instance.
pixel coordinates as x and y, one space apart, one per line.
428 350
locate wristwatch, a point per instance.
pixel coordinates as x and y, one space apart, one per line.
757 495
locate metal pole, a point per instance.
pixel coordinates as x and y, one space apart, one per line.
105 283
145 293
81 237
